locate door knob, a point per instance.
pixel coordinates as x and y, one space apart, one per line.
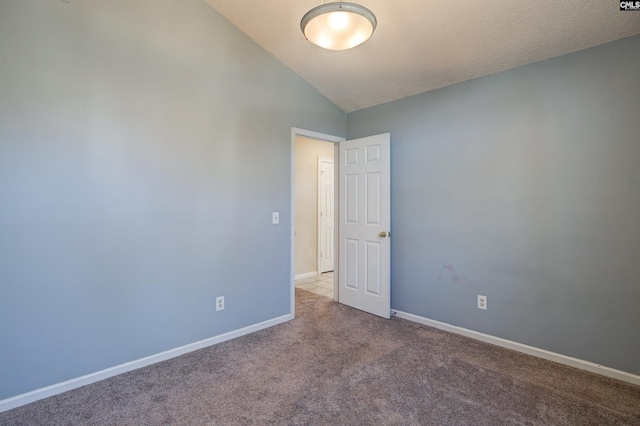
383 234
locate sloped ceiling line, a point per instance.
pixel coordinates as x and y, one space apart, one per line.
424 45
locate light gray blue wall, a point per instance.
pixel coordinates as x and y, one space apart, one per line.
143 146
523 186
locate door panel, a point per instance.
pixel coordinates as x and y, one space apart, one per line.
351 265
372 268
372 189
364 221
351 200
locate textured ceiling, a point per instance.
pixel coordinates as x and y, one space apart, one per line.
421 45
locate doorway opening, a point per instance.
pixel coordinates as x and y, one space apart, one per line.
314 195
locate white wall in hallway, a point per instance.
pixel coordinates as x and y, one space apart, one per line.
306 201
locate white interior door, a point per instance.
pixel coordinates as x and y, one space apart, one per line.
326 216
364 222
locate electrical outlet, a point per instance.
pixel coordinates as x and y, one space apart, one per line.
219 303
275 218
482 302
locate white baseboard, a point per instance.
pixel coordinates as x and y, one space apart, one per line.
26 398
530 350
306 275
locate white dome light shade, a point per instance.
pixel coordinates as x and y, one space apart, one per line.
338 26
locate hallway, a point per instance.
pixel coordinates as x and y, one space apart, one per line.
321 284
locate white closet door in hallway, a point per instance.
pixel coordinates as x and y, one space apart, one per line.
326 215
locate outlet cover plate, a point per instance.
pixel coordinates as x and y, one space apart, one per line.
482 302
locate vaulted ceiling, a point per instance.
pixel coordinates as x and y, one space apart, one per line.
422 45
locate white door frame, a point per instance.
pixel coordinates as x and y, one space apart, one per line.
319 250
292 165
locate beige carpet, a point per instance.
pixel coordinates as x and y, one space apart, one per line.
334 365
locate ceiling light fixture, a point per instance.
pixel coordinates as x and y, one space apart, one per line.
338 25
